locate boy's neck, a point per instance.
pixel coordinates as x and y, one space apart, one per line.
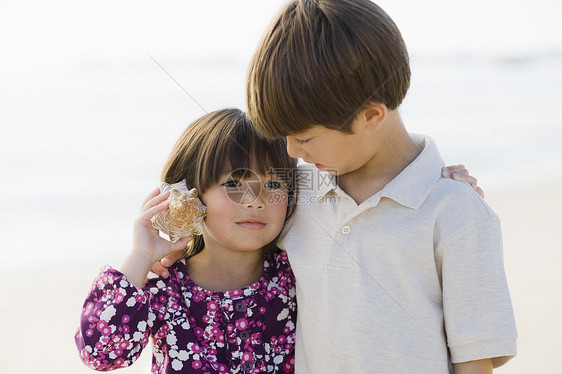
394 151
220 271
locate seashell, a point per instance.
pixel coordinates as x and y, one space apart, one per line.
185 215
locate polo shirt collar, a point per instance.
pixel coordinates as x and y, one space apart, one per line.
412 186
329 183
311 180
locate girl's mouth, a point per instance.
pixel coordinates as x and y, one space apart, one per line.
252 224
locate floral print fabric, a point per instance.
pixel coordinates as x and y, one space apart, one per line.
250 330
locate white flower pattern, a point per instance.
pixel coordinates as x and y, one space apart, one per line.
251 330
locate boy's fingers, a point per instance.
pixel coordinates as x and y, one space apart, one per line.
160 270
172 257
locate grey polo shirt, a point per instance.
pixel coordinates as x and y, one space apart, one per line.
409 281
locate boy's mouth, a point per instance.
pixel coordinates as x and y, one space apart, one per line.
318 166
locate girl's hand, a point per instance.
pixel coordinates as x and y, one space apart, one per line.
146 239
459 172
148 246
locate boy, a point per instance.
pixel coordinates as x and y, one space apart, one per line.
398 270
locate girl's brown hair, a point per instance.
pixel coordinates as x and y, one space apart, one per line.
321 62
219 143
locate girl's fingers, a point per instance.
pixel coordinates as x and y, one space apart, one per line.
479 191
470 180
456 167
181 244
447 171
467 178
148 214
150 196
155 200
459 172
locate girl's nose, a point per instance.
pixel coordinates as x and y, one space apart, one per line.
257 202
253 194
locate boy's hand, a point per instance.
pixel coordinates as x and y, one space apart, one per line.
459 172
160 268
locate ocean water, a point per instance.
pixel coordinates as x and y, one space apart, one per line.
86 125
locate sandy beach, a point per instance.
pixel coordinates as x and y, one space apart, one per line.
40 309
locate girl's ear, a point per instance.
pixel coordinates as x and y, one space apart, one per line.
374 115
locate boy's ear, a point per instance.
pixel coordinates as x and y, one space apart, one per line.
374 115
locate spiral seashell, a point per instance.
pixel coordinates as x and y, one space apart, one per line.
185 214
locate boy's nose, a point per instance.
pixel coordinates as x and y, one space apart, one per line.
294 149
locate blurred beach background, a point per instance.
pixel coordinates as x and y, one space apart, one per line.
91 104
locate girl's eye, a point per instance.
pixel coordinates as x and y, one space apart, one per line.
273 185
231 183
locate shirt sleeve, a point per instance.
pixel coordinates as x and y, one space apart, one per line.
113 325
478 314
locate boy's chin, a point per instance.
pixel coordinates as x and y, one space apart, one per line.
329 170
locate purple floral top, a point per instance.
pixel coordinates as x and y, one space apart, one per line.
251 330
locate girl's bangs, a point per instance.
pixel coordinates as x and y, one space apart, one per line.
259 155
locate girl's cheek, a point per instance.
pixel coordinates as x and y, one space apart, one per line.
277 198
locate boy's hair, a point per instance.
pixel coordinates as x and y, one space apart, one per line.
223 142
321 62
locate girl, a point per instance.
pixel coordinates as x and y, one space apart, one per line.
230 305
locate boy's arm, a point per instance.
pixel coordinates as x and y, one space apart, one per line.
456 172
477 306
474 367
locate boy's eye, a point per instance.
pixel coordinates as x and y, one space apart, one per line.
231 183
